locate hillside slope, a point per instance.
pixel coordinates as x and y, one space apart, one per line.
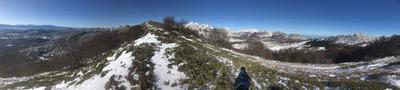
163 59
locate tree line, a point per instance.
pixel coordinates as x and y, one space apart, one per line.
215 36
334 53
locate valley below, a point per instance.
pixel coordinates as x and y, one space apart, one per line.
193 56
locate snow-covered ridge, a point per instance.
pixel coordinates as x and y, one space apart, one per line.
352 39
201 29
163 73
249 33
149 38
274 41
204 29
161 61
198 26
265 34
280 46
117 67
343 70
27 27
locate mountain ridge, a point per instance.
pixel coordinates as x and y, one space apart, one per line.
27 27
151 56
351 39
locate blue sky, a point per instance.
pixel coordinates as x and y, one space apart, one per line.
321 17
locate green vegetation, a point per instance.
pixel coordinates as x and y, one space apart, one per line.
205 55
206 66
95 67
338 53
201 68
142 66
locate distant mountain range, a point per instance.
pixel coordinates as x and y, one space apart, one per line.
279 40
204 29
153 55
27 27
351 39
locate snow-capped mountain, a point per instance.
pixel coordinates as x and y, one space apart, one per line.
353 39
159 59
265 34
201 29
274 41
198 26
247 33
29 43
27 27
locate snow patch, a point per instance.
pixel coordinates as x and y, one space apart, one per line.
149 38
393 80
321 48
331 75
274 46
8 81
187 38
163 73
39 88
240 46
283 80
235 40
117 67
43 58
225 61
333 70
9 45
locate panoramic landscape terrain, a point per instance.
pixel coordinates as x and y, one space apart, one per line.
189 55
175 53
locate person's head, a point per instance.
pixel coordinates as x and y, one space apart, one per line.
242 69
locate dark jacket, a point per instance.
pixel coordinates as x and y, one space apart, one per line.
242 82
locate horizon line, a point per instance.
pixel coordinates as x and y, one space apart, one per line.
230 29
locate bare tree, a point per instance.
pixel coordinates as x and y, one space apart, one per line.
219 36
258 48
72 49
169 23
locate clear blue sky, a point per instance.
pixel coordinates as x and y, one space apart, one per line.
324 17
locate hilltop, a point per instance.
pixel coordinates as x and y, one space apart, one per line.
175 55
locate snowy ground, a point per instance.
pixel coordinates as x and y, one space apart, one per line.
118 67
240 46
239 43
275 46
149 38
392 79
355 70
165 76
7 81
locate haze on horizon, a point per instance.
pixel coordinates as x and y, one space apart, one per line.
312 17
